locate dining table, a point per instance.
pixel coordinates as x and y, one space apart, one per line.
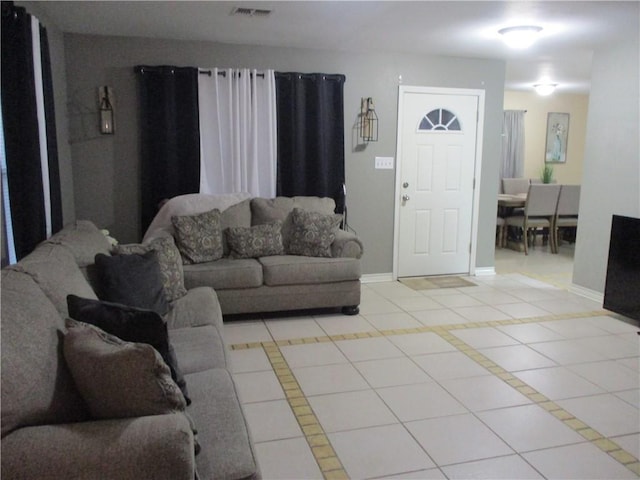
512 201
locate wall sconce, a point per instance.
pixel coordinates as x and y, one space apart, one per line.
368 120
107 126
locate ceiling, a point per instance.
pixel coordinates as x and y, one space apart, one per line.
572 30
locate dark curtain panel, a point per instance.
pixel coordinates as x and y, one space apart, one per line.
170 135
310 117
20 119
52 139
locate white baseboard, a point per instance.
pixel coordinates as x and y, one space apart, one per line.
587 293
484 271
377 277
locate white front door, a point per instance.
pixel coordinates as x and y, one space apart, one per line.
437 136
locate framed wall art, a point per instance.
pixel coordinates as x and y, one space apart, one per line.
557 137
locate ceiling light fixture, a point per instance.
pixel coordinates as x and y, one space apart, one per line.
545 88
521 36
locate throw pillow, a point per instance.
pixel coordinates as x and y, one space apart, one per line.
170 263
199 237
312 233
119 379
131 325
257 241
134 280
238 215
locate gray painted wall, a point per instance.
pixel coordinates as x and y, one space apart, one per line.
611 181
106 168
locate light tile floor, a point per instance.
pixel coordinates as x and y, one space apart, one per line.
511 378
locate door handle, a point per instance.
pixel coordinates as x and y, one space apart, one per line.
405 198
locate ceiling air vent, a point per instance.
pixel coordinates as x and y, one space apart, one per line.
250 12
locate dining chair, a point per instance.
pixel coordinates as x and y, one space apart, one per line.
515 186
500 226
566 211
539 211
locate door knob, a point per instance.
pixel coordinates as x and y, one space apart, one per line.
405 198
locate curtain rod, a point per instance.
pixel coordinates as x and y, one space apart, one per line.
224 73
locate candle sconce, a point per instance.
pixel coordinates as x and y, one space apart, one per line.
368 121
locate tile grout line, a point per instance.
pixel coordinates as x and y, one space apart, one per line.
593 436
323 453
314 431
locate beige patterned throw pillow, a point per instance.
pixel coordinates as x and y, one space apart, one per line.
199 237
119 379
257 241
312 233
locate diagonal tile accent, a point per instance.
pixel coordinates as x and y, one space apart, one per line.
317 439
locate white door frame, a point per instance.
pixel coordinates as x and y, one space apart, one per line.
477 168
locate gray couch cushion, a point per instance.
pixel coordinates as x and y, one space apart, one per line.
296 270
198 307
83 239
222 430
151 447
267 210
224 273
37 387
198 348
119 379
55 270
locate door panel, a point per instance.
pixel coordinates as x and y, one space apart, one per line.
437 152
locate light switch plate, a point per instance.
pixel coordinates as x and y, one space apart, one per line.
384 162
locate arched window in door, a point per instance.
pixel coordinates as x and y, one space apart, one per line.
439 119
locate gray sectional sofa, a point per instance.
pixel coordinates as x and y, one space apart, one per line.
47 431
270 283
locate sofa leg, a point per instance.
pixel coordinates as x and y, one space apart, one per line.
351 310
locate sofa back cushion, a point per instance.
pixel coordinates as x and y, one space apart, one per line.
37 387
268 210
83 239
54 269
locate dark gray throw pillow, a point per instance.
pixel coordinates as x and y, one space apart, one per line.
312 233
130 324
257 241
133 280
170 262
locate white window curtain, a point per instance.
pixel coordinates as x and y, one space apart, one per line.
513 144
238 136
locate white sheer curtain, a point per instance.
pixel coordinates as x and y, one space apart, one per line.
513 144
238 137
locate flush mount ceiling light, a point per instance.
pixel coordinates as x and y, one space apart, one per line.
545 88
521 36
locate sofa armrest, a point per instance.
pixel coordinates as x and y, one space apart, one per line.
158 447
200 306
346 244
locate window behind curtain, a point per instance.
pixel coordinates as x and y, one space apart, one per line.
31 188
311 135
